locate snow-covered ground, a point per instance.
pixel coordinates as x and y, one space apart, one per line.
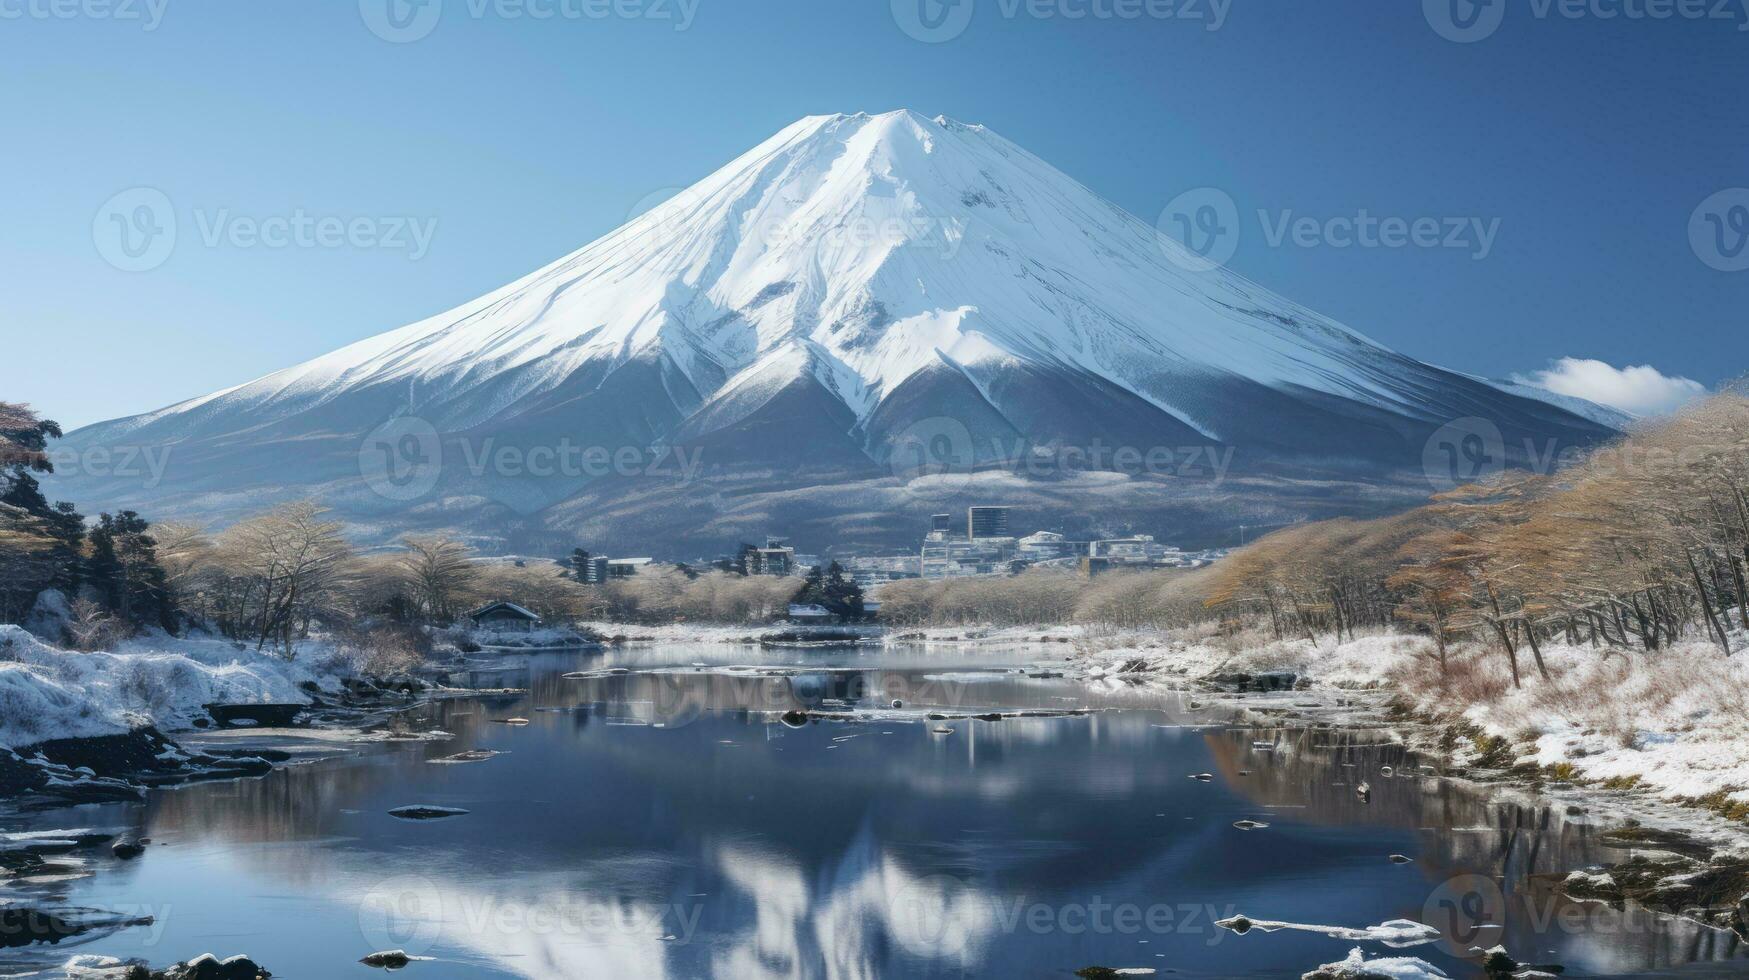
1674 721
48 693
992 635
742 633
1356 966
545 638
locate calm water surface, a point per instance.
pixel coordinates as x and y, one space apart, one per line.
655 823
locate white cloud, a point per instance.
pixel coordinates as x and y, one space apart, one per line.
1642 390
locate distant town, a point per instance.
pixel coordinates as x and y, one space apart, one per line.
981 542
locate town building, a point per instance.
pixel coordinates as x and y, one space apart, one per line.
987 522
627 567
809 613
776 558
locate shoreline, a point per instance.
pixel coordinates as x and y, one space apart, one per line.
1670 852
1679 855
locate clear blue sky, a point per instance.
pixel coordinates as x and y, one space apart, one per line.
1592 141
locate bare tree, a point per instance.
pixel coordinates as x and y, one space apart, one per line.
442 575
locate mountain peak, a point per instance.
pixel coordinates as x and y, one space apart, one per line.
872 272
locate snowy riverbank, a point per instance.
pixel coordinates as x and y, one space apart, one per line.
1673 723
163 681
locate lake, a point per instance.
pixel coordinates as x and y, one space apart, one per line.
654 819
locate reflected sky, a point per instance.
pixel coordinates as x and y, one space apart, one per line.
662 822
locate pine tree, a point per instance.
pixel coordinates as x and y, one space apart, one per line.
24 440
843 595
123 568
23 452
832 590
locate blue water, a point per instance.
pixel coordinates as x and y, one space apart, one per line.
663 825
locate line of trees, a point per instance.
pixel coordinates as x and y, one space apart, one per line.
1642 543
669 594
269 580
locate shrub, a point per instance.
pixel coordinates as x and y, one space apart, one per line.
386 650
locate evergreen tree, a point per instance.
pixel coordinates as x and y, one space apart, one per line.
124 570
60 520
843 594
23 452
832 589
24 440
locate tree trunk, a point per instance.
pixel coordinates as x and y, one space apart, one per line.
1511 651
1742 589
1707 607
1535 650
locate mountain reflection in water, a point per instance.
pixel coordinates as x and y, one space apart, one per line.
665 824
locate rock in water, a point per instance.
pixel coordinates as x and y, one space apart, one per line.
26 927
1237 923
127 849
1250 825
471 755
388 959
210 967
1358 967
424 811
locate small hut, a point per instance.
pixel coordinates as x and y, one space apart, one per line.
504 617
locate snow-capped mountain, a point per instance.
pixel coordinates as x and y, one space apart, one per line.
853 285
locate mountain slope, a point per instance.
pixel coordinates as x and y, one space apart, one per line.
799 315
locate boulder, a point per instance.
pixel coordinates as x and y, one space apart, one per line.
49 616
426 811
210 967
